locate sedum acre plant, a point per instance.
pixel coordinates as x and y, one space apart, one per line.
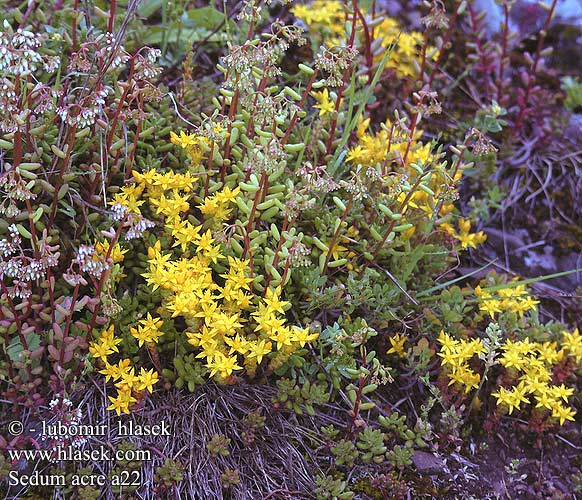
207 292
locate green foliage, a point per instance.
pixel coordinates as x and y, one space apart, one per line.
487 120
573 88
253 423
345 453
334 489
69 115
295 397
230 478
371 444
218 446
170 472
400 456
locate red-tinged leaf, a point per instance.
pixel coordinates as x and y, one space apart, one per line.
58 331
37 353
54 352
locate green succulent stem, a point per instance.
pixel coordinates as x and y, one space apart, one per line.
69 142
336 233
341 89
284 227
295 116
393 222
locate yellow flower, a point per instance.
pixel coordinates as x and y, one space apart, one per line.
281 335
324 104
108 339
572 342
224 365
397 343
213 254
122 368
561 391
183 140
259 349
563 413
184 233
302 336
151 324
337 250
205 242
148 331
121 402
226 195
116 254
468 239
511 398
237 344
100 351
545 400
110 371
146 380
128 381
127 200
449 344
466 377
513 359
272 301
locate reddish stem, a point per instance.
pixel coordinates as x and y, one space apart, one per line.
75 11
295 116
102 279
534 68
68 324
111 16
121 102
69 142
446 40
503 52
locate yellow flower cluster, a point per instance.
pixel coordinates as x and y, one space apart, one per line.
513 299
529 363
372 149
397 342
572 344
148 331
532 363
464 235
226 322
325 18
193 145
129 385
407 55
456 355
116 254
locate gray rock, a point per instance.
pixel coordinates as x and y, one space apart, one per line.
427 463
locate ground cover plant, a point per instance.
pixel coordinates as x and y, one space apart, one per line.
287 249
